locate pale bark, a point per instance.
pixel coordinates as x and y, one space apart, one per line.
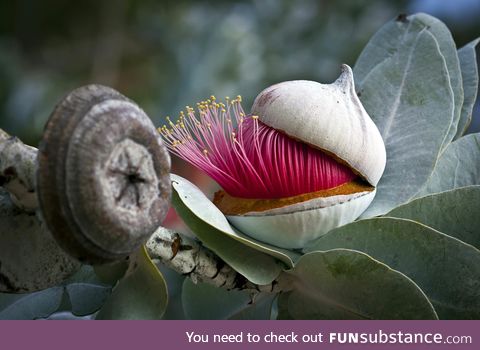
17 171
179 252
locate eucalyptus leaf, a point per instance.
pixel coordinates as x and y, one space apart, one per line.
346 284
404 85
174 281
453 212
66 315
458 166
447 269
259 309
203 301
110 273
448 49
252 259
85 291
81 294
30 306
141 294
282 306
87 298
389 39
85 274
468 65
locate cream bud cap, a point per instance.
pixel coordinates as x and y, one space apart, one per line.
329 117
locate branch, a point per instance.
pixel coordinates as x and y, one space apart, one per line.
17 171
188 257
183 254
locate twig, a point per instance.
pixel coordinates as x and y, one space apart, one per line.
17 171
188 257
183 254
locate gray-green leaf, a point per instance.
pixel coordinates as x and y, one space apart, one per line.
85 292
141 294
260 309
346 284
468 65
86 298
446 269
203 301
448 49
453 212
81 294
458 166
390 38
404 84
30 306
245 255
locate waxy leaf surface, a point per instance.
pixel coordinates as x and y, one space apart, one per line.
448 49
468 65
453 212
253 259
85 292
81 294
30 306
458 166
141 294
203 301
347 284
445 268
404 84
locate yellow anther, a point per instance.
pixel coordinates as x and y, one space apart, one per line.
255 117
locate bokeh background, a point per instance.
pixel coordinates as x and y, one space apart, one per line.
169 54
166 54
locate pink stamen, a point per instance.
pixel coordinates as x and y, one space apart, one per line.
252 160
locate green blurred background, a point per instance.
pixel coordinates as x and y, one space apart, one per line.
168 54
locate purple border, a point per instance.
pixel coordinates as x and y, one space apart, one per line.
119 335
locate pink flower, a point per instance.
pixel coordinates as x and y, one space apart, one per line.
247 158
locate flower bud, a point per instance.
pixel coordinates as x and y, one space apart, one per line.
306 160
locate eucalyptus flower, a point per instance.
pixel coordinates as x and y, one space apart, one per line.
305 160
